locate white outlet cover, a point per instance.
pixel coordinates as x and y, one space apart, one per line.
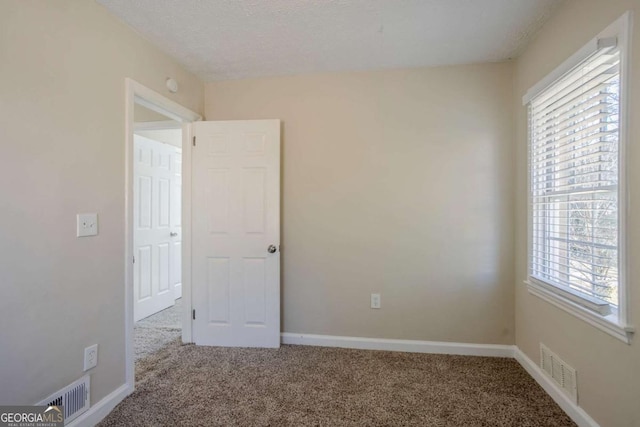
375 301
90 357
87 225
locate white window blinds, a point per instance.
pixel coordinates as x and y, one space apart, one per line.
574 141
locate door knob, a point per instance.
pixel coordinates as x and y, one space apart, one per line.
173 234
272 249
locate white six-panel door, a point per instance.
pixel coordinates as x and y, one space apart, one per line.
157 226
236 233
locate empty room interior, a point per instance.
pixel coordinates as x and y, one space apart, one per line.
332 212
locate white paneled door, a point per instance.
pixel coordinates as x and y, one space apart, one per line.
157 233
236 233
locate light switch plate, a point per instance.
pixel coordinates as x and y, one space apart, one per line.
87 225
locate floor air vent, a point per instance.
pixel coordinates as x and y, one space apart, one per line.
74 398
561 373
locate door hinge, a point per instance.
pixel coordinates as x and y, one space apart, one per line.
134 259
193 314
194 141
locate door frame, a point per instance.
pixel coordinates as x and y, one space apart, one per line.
136 93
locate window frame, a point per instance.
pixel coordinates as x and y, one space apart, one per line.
573 302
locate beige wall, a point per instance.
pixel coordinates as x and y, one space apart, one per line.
608 370
63 65
397 182
143 114
168 136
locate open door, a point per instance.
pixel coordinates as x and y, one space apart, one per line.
157 231
235 254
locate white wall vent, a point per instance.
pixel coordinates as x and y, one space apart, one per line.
561 373
74 398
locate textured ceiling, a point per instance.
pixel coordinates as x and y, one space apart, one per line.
232 39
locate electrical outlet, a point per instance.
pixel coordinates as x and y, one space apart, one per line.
90 357
87 225
375 301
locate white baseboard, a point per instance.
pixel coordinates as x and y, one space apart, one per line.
101 409
410 346
576 413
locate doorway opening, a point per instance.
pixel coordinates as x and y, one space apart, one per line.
157 230
157 179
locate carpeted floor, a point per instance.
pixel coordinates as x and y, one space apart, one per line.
156 331
187 385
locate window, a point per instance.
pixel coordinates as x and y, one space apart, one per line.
574 140
576 155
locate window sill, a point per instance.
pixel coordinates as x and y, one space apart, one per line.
608 324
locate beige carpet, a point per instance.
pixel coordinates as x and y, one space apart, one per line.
156 331
185 385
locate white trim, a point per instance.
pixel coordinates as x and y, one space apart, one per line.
576 413
129 108
158 125
598 306
606 324
155 102
100 410
137 93
409 346
618 326
187 135
625 22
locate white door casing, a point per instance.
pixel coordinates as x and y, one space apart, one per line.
157 232
175 218
235 215
136 93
